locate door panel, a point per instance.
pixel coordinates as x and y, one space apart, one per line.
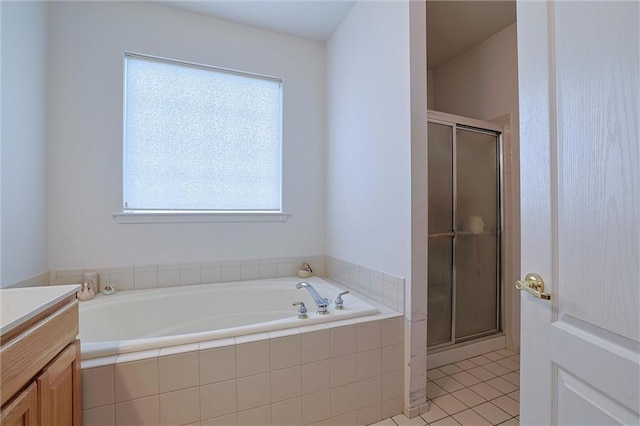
579 108
439 291
476 284
598 180
477 181
477 223
440 172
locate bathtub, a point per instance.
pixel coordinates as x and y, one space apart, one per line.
138 320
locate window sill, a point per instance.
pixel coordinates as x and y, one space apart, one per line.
198 217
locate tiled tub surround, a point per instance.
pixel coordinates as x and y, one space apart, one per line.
379 286
177 274
137 320
341 373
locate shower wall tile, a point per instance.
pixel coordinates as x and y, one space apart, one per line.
287 412
268 270
67 276
180 407
103 416
42 279
122 280
168 275
178 371
130 412
136 379
145 277
250 271
98 387
189 273
392 331
364 281
254 416
316 376
286 268
230 271
210 274
217 364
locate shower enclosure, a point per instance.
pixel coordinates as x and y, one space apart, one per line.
465 226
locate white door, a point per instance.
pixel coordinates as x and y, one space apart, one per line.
579 83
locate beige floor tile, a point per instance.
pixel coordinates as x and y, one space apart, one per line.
515 358
471 418
511 422
509 364
512 378
447 421
496 368
434 391
449 384
505 403
502 385
480 360
449 404
435 374
468 397
515 395
402 420
435 413
485 391
465 378
494 356
491 413
451 369
385 422
481 373
507 352
465 365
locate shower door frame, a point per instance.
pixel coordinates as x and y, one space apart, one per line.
494 129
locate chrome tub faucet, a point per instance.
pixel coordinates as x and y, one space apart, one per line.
321 303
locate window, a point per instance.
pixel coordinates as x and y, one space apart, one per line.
200 139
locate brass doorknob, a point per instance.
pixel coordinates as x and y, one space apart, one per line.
533 284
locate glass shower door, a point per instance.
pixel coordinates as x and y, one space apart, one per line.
464 233
440 279
477 233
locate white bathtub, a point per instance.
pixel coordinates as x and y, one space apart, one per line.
132 321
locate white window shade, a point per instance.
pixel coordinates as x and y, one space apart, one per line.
200 138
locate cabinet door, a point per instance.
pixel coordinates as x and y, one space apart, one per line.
59 389
23 411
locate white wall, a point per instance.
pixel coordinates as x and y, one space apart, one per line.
483 83
368 203
87 42
24 141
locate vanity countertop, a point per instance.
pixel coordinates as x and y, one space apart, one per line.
18 305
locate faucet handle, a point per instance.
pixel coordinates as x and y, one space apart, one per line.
302 310
339 303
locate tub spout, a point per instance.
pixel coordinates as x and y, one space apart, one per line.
321 303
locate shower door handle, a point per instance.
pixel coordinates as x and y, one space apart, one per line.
442 235
534 285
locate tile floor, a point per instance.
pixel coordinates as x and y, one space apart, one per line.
484 390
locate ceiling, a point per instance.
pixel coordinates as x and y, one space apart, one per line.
453 27
314 19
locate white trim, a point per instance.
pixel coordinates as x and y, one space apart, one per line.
198 217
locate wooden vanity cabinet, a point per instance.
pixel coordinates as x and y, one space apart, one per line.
23 411
40 371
